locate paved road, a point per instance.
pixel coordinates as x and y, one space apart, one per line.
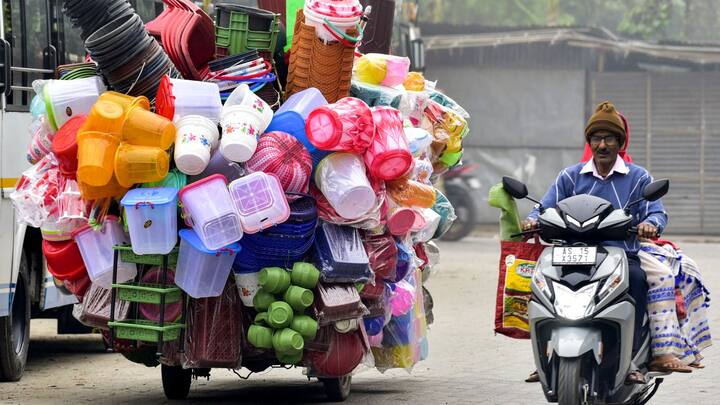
467 363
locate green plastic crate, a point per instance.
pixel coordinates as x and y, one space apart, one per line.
147 293
237 31
128 256
146 331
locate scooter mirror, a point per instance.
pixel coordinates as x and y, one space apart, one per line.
514 187
656 190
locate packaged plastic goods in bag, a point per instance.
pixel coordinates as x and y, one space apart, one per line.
95 308
388 156
411 193
341 255
382 253
36 191
444 208
335 302
345 126
342 180
215 331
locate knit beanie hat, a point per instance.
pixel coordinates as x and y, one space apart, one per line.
606 118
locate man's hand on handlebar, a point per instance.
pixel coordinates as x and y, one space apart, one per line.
647 230
528 224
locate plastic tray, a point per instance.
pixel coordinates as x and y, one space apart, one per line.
146 331
147 293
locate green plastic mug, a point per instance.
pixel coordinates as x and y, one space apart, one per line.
287 341
305 326
299 298
261 319
274 280
262 300
305 275
290 357
280 315
260 337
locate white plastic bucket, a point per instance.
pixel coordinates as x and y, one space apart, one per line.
196 137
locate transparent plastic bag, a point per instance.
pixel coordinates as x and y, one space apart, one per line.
214 331
412 106
340 255
35 194
337 302
382 253
327 213
445 209
410 193
95 309
41 136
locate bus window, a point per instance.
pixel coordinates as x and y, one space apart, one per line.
147 9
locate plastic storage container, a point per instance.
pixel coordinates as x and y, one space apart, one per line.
179 98
342 180
66 98
260 201
202 272
152 219
212 212
96 248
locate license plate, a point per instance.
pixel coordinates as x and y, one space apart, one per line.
574 255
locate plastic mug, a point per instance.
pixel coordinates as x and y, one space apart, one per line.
299 298
290 357
287 340
274 280
248 284
240 127
280 315
105 116
96 152
305 275
195 138
260 337
305 326
262 300
140 164
144 128
261 319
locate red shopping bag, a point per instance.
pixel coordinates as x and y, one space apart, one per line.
517 263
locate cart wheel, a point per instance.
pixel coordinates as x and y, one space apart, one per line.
337 389
176 381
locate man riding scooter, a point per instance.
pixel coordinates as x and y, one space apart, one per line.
609 177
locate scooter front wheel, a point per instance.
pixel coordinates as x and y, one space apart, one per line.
570 382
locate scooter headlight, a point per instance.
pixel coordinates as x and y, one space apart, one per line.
574 305
612 282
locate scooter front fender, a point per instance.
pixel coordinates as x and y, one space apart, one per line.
571 342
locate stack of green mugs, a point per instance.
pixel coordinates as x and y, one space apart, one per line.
282 323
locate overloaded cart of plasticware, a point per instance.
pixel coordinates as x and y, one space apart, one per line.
202 225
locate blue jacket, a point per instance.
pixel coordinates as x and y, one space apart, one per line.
621 187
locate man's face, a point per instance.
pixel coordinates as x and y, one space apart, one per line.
605 146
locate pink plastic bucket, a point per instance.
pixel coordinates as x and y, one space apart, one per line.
388 157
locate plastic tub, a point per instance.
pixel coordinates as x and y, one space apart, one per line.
125 101
213 213
106 116
202 272
248 284
303 103
140 164
179 98
67 98
260 201
96 248
144 128
152 219
388 157
344 126
65 147
241 127
64 260
342 180
96 153
196 137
